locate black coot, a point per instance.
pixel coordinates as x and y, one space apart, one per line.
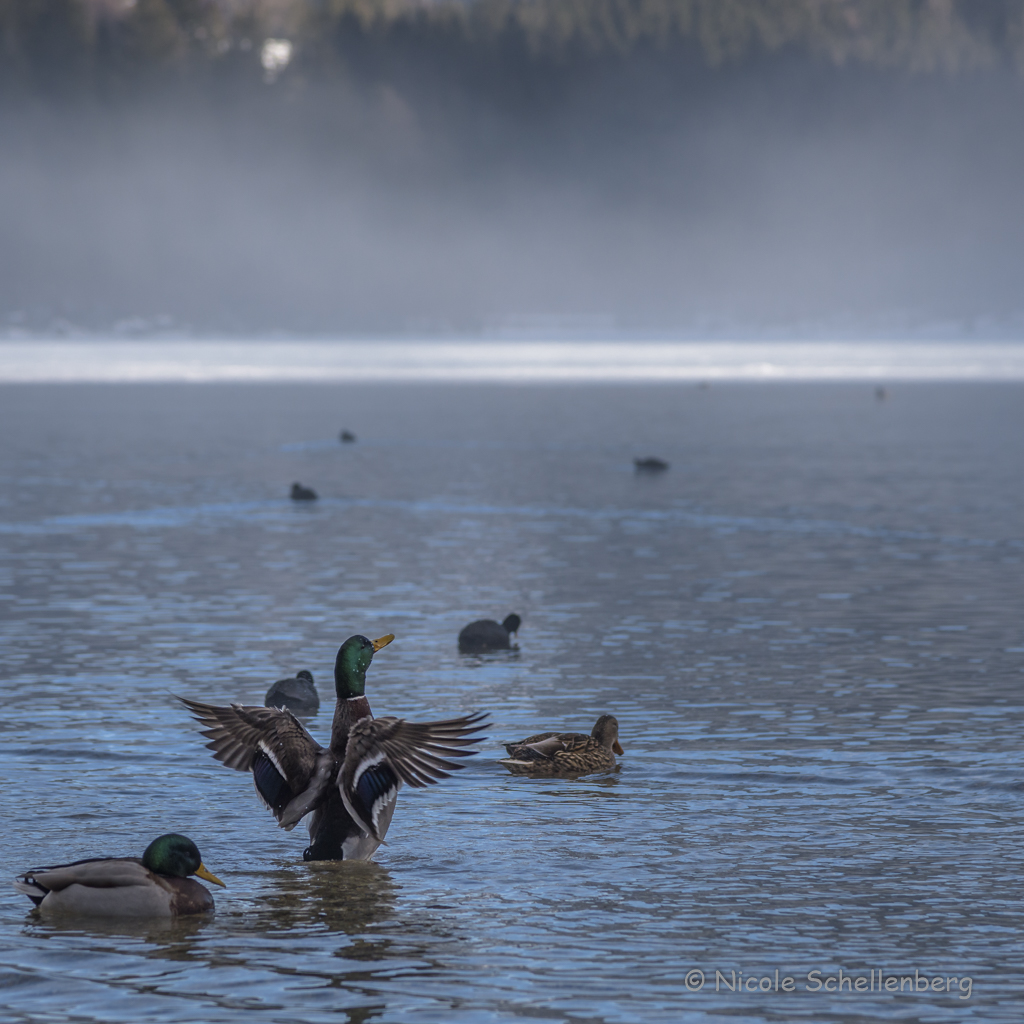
488 635
297 694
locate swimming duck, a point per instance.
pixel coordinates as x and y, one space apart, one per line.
566 753
350 787
488 635
297 694
158 885
651 464
300 493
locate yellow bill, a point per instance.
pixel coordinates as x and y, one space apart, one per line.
617 747
204 872
383 641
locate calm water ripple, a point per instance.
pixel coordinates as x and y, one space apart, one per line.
809 629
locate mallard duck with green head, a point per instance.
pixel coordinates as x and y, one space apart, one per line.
566 753
349 788
159 884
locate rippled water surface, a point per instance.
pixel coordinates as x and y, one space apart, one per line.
810 629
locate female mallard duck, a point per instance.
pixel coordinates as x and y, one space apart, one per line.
158 885
488 635
349 789
297 694
566 753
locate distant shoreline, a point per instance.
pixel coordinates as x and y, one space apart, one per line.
213 361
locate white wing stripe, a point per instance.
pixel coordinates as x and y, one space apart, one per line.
272 757
381 803
365 764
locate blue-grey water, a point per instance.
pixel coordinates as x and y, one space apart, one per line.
810 629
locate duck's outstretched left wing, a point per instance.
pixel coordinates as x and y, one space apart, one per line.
291 771
382 753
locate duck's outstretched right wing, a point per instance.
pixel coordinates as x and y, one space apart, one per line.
291 771
382 753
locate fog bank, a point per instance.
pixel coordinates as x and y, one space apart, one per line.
637 195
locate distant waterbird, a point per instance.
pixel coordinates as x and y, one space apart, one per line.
350 787
300 493
650 465
488 635
566 753
346 437
297 694
159 884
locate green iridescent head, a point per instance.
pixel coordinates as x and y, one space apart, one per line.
354 657
176 856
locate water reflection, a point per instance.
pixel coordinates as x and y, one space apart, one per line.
476 660
170 937
341 896
568 787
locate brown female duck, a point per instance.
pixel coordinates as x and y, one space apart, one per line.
566 753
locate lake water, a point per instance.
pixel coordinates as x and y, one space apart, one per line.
810 629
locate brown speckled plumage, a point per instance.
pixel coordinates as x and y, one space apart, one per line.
566 753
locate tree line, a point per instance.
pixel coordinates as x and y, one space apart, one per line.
111 45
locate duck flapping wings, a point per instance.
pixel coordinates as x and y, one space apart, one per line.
293 774
382 753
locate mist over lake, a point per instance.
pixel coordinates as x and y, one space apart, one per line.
709 170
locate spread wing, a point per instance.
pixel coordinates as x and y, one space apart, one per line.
291 771
382 753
